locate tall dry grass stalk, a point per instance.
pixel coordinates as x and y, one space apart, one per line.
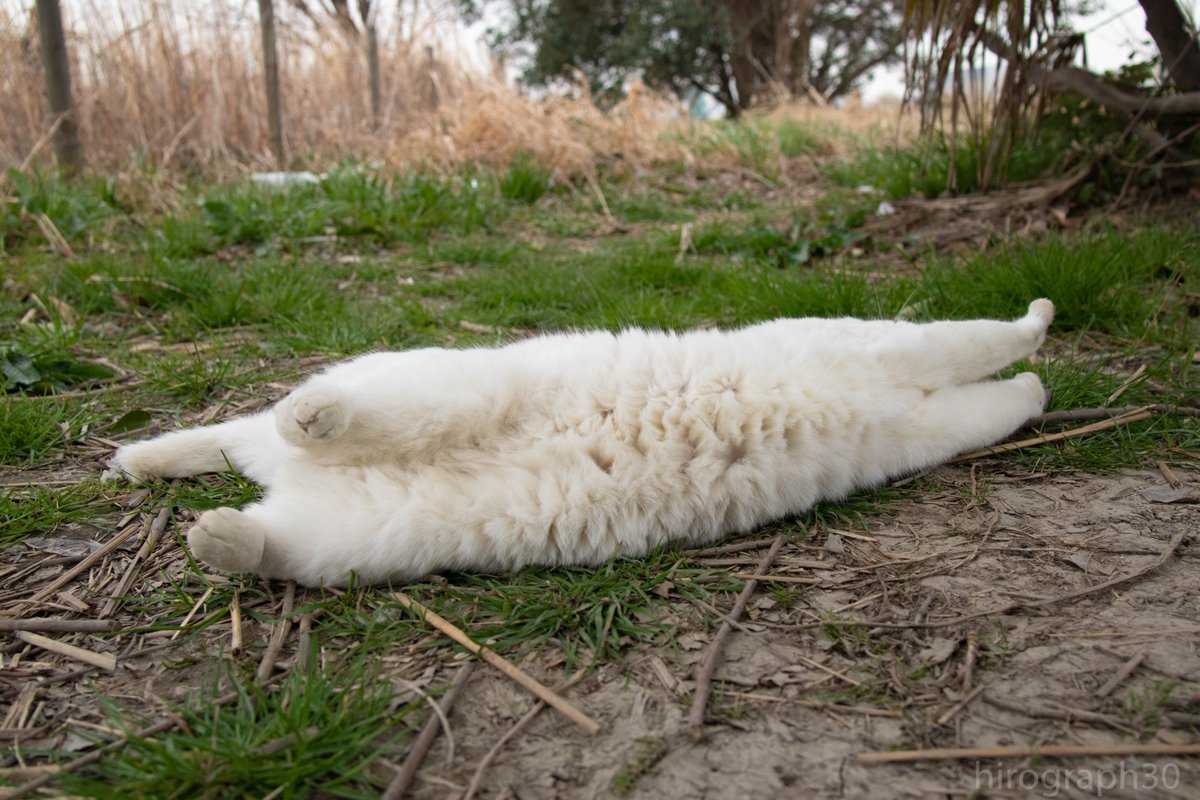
178 86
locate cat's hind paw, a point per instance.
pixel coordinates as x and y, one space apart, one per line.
1040 394
228 540
312 414
1042 310
1037 321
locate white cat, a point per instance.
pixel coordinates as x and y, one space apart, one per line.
574 448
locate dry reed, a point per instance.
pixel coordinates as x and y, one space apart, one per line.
177 87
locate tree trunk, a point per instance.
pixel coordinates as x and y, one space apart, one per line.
1167 24
266 15
373 74
58 85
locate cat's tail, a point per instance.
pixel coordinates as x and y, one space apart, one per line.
247 444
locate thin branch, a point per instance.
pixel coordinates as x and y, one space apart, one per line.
477 778
498 661
1029 751
279 634
429 732
55 625
713 658
1133 416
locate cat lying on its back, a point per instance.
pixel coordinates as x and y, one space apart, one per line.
574 448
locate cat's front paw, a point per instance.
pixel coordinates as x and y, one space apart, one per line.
228 540
135 463
312 414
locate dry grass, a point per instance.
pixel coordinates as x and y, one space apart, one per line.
178 87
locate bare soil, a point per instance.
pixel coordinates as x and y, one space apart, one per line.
795 705
946 597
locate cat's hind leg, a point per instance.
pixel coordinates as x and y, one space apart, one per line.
949 353
228 539
248 444
949 421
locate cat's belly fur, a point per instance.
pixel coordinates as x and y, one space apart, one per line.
624 451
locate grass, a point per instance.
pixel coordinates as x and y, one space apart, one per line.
319 732
220 295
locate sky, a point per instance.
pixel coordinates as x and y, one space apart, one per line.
1115 32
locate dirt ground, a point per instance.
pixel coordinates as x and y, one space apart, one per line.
998 604
918 570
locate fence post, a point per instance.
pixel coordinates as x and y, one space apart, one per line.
266 16
58 85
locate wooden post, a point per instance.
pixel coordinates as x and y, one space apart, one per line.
266 16
58 85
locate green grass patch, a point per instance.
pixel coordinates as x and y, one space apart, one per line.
319 732
1107 281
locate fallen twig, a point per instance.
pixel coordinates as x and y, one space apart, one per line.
235 623
498 661
959 706
748 576
420 747
1088 414
477 778
1112 398
152 536
1016 605
1119 677
1137 415
55 625
85 564
101 660
279 634
1029 751
713 658
1168 473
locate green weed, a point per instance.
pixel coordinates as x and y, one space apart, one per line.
320 731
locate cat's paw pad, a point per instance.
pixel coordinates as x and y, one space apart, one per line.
310 414
228 540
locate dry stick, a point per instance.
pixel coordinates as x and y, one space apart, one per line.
1124 672
1112 398
1169 474
1027 751
477 778
56 625
747 576
85 564
560 704
101 660
1137 415
94 756
1163 557
713 658
959 706
235 623
969 661
408 770
282 628
1088 414
152 536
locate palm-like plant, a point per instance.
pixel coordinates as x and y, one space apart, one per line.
951 42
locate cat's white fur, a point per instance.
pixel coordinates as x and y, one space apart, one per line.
574 448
